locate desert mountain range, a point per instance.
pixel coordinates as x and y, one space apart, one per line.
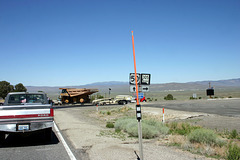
122 87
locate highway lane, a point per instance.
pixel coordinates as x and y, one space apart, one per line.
33 146
223 107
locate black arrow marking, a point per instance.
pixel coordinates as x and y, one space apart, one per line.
145 88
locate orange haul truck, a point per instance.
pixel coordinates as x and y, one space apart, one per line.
74 95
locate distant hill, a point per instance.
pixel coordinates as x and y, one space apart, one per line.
123 87
230 82
107 83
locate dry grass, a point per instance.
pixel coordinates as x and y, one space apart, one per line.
220 150
200 148
177 139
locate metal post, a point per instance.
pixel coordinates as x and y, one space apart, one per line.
163 116
138 107
139 117
210 88
140 138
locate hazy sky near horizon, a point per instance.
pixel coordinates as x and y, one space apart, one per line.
76 42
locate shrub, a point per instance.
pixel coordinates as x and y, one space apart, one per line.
192 98
99 96
110 125
185 129
169 97
159 126
122 123
132 128
233 152
150 128
203 136
149 131
172 126
162 128
108 113
181 128
233 134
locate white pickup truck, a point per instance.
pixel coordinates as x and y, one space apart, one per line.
24 112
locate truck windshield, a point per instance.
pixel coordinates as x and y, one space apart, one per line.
26 98
64 91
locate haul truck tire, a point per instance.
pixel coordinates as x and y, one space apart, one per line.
66 101
81 100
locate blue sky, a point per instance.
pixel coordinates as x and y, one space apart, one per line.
74 42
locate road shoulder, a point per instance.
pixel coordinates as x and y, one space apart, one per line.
84 134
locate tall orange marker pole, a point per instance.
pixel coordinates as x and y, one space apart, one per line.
135 68
138 106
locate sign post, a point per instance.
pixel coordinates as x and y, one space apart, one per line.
210 91
138 106
143 81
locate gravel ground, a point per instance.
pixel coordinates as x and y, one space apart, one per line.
83 132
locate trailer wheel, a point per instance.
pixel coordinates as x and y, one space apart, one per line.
122 102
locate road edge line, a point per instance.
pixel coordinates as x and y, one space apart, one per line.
69 152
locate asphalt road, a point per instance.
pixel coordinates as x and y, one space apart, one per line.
33 146
225 107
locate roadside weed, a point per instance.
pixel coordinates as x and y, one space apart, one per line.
233 134
181 128
233 152
206 136
110 125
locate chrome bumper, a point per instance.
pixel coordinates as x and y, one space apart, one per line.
33 126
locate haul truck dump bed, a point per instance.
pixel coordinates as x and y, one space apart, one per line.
74 95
